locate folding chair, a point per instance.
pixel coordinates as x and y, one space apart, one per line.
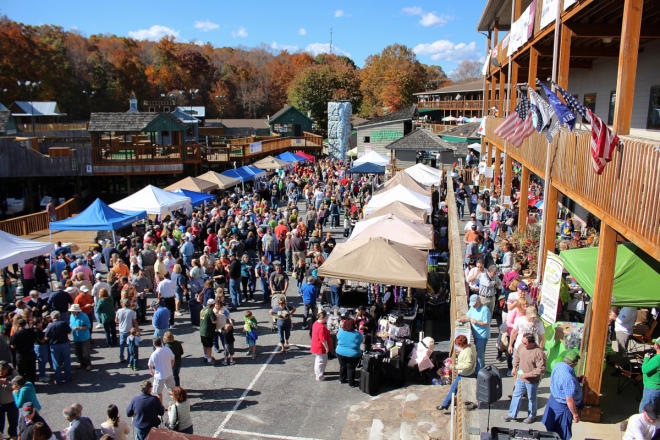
639 339
630 373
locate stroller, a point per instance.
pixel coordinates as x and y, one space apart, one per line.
274 303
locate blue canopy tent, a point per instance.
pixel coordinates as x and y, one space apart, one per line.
367 168
288 156
98 217
196 198
245 173
256 172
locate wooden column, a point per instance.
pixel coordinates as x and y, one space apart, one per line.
628 51
522 203
533 64
508 175
513 81
600 309
500 107
564 57
489 159
517 9
496 171
550 206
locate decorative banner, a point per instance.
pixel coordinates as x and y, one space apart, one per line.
484 69
550 288
255 147
549 11
482 167
520 30
488 172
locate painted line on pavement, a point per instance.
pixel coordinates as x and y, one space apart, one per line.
273 436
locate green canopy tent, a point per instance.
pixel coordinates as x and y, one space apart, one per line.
636 274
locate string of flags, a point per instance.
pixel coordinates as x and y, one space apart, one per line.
545 116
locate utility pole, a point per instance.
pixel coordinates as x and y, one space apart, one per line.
330 39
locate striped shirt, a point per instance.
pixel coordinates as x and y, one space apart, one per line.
563 384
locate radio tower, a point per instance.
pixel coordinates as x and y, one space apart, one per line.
330 39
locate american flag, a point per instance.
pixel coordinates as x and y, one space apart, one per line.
573 103
518 125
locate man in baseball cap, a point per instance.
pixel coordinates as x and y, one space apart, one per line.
30 417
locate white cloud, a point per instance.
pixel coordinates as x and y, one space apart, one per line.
317 48
280 47
430 19
154 33
302 31
198 42
412 10
240 33
206 25
446 50
339 13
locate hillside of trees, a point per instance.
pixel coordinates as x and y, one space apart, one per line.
98 73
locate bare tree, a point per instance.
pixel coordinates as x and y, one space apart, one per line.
467 71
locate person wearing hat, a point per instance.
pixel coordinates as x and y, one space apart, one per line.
651 376
7 405
473 222
561 411
86 302
643 426
29 417
207 329
160 319
478 316
80 327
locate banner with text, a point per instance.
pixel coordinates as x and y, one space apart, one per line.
554 267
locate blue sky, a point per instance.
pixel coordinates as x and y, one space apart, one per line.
441 32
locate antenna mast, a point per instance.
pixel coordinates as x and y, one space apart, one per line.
330 39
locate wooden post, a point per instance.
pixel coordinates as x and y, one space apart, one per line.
564 56
489 159
551 223
533 64
496 171
508 175
600 310
500 107
517 9
522 203
513 81
493 91
628 51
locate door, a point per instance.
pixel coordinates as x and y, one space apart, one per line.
297 130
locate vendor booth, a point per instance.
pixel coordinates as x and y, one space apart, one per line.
372 157
407 181
245 173
366 168
305 155
402 210
15 250
399 193
196 198
98 217
395 228
221 181
424 174
271 163
289 157
192 184
154 201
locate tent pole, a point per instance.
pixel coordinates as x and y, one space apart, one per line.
114 239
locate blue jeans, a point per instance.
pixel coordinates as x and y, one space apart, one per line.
461 208
452 390
334 295
284 330
266 288
61 355
160 332
235 292
480 346
123 337
650 395
43 356
518 393
141 434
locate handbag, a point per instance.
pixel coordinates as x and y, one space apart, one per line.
509 221
175 426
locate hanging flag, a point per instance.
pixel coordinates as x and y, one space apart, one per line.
573 103
550 122
509 125
563 113
524 126
603 142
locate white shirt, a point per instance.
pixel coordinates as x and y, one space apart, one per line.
161 361
468 226
474 284
166 288
625 321
640 429
523 326
223 317
97 288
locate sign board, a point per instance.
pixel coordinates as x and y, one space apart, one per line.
506 200
385 135
550 288
488 172
88 169
255 147
482 167
549 11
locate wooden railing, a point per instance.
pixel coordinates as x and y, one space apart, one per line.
461 104
131 154
39 221
626 195
436 128
55 126
273 145
250 139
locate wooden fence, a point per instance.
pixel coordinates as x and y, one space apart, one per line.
451 104
135 154
271 146
626 195
55 126
39 221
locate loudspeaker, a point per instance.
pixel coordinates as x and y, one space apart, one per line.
369 382
489 385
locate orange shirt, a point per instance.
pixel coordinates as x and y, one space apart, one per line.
121 270
86 303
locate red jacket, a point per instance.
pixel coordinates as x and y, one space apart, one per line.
320 333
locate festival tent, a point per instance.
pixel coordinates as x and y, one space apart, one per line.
476 146
402 210
98 217
407 181
399 193
154 200
372 157
15 250
353 152
424 174
367 168
244 173
196 198
288 156
636 274
305 155
192 184
377 260
220 180
270 163
395 228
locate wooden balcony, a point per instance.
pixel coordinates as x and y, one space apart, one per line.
39 221
249 151
460 105
626 195
138 158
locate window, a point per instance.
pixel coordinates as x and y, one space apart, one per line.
590 101
366 139
610 115
166 109
654 109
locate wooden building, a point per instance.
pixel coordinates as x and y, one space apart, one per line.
289 121
607 56
462 99
377 133
7 124
408 150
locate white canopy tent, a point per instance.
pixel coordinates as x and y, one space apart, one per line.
372 157
15 250
425 174
395 228
154 200
399 193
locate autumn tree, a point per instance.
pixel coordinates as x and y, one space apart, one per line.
467 71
